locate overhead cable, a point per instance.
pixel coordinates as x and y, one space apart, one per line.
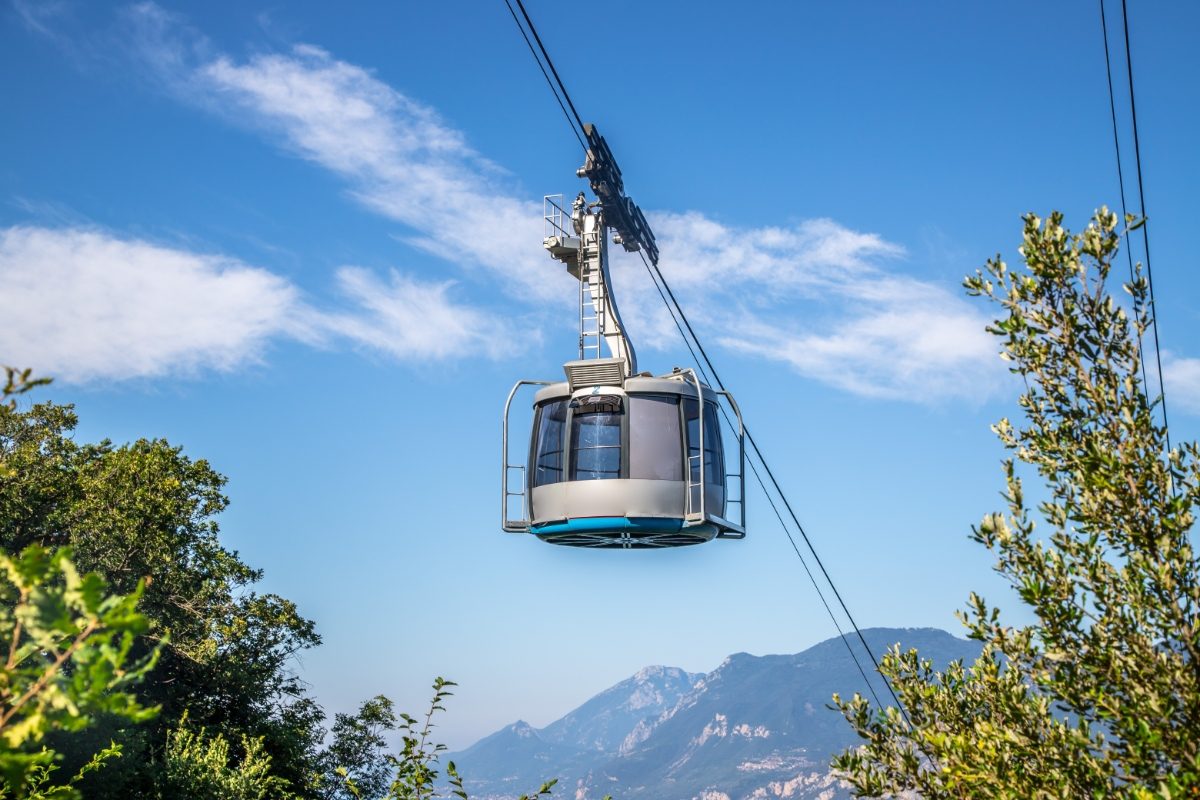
674 302
782 496
542 67
1112 108
770 499
1137 152
549 62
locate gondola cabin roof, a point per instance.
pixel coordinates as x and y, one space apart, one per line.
674 383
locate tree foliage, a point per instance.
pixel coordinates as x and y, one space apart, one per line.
357 757
1099 696
67 646
143 516
200 766
235 720
415 769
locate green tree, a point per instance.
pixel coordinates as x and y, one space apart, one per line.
235 719
416 768
357 754
145 514
1100 695
67 645
202 767
18 382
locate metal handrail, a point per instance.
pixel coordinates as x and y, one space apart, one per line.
554 214
741 501
700 427
741 473
513 526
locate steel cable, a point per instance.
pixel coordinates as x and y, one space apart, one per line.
674 302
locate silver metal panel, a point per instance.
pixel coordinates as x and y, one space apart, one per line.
561 247
608 498
554 391
634 497
644 384
671 385
595 372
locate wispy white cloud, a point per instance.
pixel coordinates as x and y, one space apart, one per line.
806 258
825 300
41 16
879 334
1181 377
403 316
399 157
924 345
83 305
822 300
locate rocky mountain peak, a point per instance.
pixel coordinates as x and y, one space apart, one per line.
755 727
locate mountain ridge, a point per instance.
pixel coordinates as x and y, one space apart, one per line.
753 728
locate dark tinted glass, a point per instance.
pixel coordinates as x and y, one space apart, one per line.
548 450
714 461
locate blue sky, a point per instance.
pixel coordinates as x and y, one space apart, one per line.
305 243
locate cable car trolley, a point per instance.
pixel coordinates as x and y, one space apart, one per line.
617 457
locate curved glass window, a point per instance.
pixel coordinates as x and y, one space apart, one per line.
548 446
714 457
714 461
655 443
595 445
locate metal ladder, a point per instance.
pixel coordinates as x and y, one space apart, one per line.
591 300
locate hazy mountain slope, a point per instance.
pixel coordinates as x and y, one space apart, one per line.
755 727
515 760
518 758
604 722
759 719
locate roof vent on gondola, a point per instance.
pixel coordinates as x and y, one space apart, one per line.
595 372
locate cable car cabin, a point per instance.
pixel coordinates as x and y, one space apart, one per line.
625 462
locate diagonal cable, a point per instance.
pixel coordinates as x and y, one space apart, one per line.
549 62
1112 108
1137 152
782 496
546 75
770 499
749 437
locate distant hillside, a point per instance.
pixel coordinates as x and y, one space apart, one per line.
607 721
516 759
755 727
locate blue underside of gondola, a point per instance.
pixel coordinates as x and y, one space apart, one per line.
615 525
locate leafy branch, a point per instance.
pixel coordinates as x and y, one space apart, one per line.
416 765
1100 695
68 658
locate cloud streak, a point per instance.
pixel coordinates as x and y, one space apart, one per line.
402 316
820 299
85 305
1181 377
400 159
816 297
878 334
